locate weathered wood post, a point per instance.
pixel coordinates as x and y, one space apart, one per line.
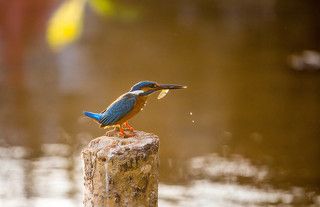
121 171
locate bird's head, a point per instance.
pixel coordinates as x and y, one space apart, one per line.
150 87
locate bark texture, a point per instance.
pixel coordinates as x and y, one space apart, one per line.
121 171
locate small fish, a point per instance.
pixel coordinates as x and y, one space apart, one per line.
163 93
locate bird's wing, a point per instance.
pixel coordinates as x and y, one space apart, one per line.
118 110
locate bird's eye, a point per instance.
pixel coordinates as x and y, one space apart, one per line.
154 86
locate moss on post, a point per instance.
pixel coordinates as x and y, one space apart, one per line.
121 171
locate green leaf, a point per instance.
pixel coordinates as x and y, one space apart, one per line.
103 7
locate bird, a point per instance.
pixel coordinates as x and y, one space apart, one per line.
128 105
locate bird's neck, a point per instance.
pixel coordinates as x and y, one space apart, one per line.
146 93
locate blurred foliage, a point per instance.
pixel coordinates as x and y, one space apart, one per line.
65 25
103 7
117 10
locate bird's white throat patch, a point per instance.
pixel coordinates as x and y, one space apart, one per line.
137 92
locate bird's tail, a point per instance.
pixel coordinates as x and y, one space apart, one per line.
94 116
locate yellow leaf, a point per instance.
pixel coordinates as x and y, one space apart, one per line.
65 25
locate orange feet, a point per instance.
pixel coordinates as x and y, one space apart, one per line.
127 125
121 133
121 129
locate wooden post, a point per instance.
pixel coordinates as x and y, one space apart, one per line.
121 171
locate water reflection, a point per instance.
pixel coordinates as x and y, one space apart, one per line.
259 117
204 193
56 177
232 168
49 180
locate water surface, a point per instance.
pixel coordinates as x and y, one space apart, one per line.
244 133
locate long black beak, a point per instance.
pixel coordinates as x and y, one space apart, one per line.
170 86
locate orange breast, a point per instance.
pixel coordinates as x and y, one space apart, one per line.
141 100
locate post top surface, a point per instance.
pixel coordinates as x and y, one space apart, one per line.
108 146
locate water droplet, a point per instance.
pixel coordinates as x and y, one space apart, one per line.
192 121
190 113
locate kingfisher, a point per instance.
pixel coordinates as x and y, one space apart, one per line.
129 104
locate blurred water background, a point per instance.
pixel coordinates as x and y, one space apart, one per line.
244 133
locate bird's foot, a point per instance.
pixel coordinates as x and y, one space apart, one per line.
120 132
128 126
126 134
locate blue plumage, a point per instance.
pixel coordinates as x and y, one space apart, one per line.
142 84
94 116
117 110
